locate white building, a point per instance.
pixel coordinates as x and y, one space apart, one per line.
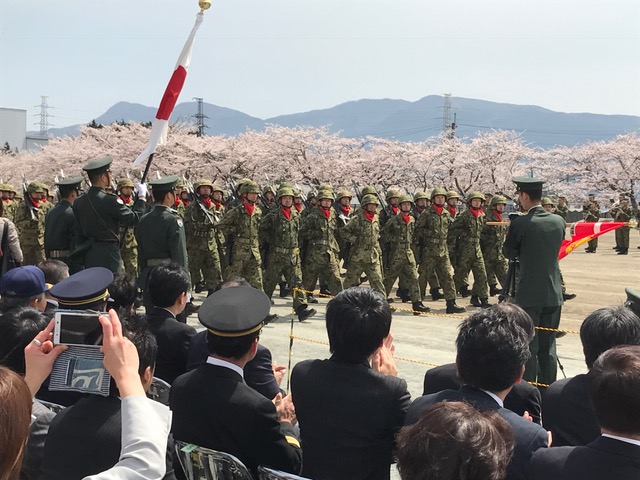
13 130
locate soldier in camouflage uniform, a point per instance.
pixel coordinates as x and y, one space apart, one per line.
179 205
562 208
318 232
202 248
623 212
453 207
10 205
45 201
398 232
422 203
128 242
298 202
363 233
344 213
241 226
29 221
466 230
219 210
491 241
279 229
269 198
591 213
431 237
313 203
392 197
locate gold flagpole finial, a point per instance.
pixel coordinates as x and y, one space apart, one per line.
204 5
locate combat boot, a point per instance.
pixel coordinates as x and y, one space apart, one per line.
200 287
453 308
419 308
494 290
324 290
191 308
304 312
464 291
435 294
270 318
284 290
484 303
311 299
623 251
403 294
475 301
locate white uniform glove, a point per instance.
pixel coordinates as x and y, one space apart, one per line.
141 190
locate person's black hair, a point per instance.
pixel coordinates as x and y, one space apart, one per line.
136 329
235 282
66 191
614 389
358 320
230 347
493 345
10 303
122 292
94 177
17 328
166 283
160 195
534 195
452 440
607 327
54 271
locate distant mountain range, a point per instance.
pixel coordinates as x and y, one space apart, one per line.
401 120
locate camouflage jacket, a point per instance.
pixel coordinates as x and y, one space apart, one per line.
199 225
242 230
465 231
127 235
492 237
30 230
9 209
279 233
400 236
622 214
562 211
320 232
364 236
432 232
591 212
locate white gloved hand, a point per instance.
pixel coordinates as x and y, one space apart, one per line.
141 190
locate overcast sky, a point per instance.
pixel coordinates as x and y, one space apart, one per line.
273 57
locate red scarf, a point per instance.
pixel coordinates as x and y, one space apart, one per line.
247 206
438 209
406 217
394 210
206 201
176 202
346 210
43 199
6 200
498 216
298 207
186 202
476 212
368 216
218 205
420 209
452 211
326 212
126 200
35 203
286 211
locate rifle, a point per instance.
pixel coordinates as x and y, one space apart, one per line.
356 189
509 293
27 199
234 197
383 202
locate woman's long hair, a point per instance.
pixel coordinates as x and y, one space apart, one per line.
15 419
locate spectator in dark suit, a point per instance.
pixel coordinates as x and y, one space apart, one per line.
492 350
614 388
452 441
566 409
524 397
168 290
351 406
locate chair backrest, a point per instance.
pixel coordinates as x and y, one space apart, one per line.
54 407
200 463
159 391
265 473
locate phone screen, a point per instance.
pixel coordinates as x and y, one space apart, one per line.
79 329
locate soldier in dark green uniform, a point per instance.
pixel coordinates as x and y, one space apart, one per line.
241 224
99 215
466 230
591 213
60 225
431 235
491 242
279 229
160 233
549 206
398 232
29 220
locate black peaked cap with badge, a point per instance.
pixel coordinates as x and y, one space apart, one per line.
164 184
72 182
87 289
633 300
234 311
98 166
528 184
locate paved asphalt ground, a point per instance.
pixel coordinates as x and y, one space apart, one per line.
422 341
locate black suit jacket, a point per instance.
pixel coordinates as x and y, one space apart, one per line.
529 436
568 414
173 339
349 415
603 459
523 397
85 439
213 408
258 373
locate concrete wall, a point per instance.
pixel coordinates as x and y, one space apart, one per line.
13 128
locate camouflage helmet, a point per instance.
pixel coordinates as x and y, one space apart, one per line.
124 182
180 183
218 188
369 190
268 189
44 186
368 199
421 195
325 186
496 199
343 192
241 182
439 191
325 193
249 187
296 192
405 198
311 194
547 201
453 194
11 188
35 187
4 187
285 192
203 182
286 183
474 195
393 193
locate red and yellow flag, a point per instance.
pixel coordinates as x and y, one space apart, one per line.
583 232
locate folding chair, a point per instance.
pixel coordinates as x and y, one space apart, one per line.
200 463
265 473
159 391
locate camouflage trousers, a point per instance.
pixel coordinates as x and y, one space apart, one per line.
287 266
496 269
440 266
244 264
475 263
204 264
403 266
317 264
130 260
33 254
373 271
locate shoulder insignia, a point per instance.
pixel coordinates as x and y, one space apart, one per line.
119 200
180 222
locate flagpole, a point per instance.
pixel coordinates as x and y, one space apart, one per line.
146 169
